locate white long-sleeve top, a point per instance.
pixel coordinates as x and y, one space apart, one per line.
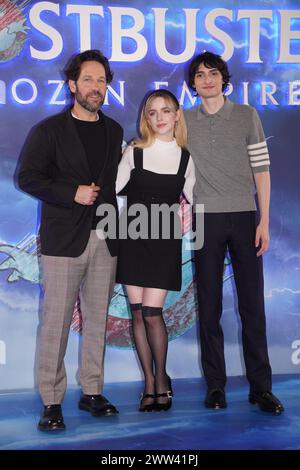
163 158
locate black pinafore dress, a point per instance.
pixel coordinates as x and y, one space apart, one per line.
152 262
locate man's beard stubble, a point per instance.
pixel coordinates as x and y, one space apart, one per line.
86 104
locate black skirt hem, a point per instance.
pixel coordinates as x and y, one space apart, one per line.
150 285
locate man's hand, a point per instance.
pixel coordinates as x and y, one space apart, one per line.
262 238
86 195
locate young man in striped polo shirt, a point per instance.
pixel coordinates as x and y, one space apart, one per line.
231 159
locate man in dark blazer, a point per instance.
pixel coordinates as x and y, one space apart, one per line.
70 163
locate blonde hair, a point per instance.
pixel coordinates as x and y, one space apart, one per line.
147 136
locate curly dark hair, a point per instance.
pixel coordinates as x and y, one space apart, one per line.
73 67
211 61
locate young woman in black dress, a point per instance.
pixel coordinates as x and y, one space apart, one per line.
158 168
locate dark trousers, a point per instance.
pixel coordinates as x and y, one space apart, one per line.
234 231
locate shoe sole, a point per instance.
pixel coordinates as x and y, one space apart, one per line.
158 410
215 407
53 429
147 409
97 413
262 408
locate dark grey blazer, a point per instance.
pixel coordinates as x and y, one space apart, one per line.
53 164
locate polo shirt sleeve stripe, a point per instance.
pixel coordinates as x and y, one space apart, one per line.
257 146
262 163
259 156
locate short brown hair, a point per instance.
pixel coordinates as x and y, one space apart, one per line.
73 67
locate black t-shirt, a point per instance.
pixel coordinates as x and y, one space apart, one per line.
93 138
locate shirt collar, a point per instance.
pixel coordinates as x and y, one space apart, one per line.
223 113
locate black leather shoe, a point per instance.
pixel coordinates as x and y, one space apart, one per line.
266 402
147 406
215 398
52 419
166 405
97 405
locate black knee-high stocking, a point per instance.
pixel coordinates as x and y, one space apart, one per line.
142 347
158 341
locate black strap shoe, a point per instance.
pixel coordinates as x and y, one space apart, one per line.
215 398
97 405
147 406
165 405
266 402
52 419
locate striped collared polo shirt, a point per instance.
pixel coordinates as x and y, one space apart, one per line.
227 148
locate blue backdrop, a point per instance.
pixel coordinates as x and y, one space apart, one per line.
149 47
